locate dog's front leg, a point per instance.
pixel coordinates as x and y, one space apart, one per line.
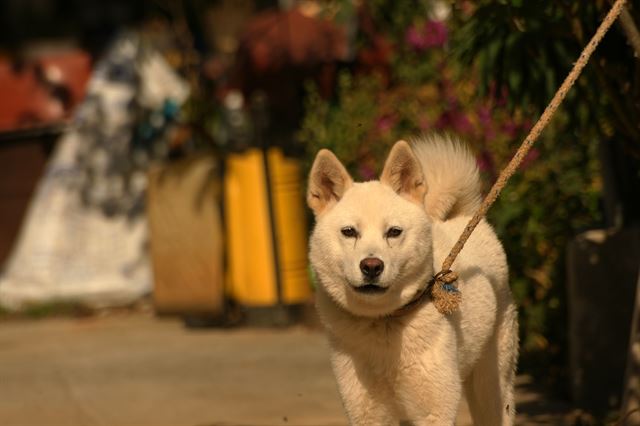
440 410
367 401
431 390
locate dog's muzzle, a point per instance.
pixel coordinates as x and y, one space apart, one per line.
369 289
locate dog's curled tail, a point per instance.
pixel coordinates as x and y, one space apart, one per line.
451 176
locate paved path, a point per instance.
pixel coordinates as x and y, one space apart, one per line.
134 369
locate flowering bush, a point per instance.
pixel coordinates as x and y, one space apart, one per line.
406 82
426 36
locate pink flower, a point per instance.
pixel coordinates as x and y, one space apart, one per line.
455 120
415 38
385 123
431 34
436 34
484 115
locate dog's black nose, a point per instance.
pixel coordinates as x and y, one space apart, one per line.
371 267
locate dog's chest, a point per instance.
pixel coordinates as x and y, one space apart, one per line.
388 347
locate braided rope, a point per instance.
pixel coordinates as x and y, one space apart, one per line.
533 135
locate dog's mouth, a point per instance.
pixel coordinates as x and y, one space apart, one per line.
369 289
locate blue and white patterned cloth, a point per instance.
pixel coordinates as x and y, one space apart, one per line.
85 236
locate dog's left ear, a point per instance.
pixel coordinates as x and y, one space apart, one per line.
403 173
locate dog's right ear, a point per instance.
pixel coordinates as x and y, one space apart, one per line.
328 181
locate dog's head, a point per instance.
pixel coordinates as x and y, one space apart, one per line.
371 246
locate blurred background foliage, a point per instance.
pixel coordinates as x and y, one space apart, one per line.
527 49
483 71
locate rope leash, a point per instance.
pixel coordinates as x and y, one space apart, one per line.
445 295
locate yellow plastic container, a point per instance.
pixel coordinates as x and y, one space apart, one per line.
252 278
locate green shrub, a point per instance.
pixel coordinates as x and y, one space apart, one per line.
424 87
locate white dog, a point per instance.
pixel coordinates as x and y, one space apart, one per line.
375 246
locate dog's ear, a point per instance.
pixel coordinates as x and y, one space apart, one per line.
403 173
328 181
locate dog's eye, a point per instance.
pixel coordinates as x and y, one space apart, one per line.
349 232
394 232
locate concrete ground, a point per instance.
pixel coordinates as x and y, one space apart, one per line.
135 369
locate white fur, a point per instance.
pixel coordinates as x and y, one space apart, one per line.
451 175
415 367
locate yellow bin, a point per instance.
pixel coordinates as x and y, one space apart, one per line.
252 278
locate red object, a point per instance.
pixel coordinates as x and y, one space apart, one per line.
376 58
279 51
42 91
276 40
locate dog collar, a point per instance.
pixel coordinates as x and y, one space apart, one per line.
416 302
445 279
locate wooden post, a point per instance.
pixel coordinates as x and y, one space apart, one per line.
630 411
186 237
